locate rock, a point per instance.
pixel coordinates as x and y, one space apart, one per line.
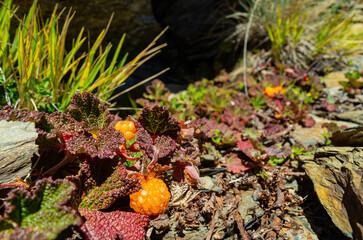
296 228
337 175
247 202
352 116
348 137
309 136
209 183
320 121
333 79
17 147
314 135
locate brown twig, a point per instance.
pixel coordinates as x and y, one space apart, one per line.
67 159
240 225
213 223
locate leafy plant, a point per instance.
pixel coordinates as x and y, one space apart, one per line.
299 31
85 135
287 26
355 81
43 212
46 74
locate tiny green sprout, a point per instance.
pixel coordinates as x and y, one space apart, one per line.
241 86
258 102
216 138
276 161
262 174
296 151
327 136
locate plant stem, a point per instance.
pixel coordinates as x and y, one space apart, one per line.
5 90
67 159
245 46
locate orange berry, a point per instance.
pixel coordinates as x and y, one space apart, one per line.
131 126
271 91
118 125
129 135
152 199
125 126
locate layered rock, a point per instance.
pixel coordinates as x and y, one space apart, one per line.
337 175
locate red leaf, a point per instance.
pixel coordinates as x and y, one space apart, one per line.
308 122
234 164
247 148
112 225
330 107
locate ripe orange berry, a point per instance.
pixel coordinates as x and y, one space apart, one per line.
127 128
131 127
118 125
271 91
152 199
129 135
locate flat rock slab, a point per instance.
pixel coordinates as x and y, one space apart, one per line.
17 147
352 116
348 137
297 228
337 175
309 136
314 135
333 79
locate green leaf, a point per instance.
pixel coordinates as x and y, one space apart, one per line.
44 210
158 121
102 195
88 109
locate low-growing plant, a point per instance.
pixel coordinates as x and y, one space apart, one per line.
300 31
46 73
89 136
355 81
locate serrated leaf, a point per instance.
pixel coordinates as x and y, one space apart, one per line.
247 148
82 142
274 152
63 123
108 141
23 233
88 109
234 164
103 194
44 210
105 144
165 145
113 225
158 121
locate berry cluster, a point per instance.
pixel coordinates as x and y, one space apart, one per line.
127 128
152 199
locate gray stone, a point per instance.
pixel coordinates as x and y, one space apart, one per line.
17 147
247 202
337 175
309 136
320 121
302 232
352 116
314 135
209 183
333 79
